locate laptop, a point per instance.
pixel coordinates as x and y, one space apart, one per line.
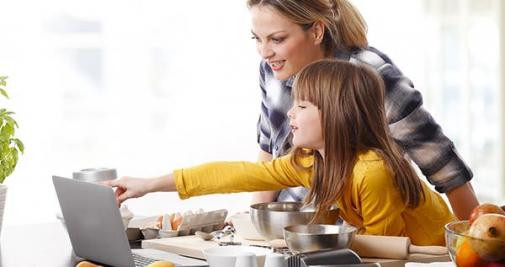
96 230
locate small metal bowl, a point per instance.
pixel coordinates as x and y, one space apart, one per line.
271 218
314 237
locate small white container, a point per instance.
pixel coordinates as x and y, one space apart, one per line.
275 260
226 256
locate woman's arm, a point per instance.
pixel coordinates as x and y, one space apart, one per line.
264 196
463 200
416 131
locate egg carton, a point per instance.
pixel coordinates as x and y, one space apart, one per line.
205 222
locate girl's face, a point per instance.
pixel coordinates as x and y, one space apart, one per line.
284 45
305 122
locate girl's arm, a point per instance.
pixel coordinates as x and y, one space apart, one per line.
264 196
130 187
215 177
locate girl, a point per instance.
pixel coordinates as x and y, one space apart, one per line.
293 33
342 152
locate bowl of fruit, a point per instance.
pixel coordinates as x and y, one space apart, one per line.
480 241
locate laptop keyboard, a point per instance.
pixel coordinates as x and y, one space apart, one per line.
141 261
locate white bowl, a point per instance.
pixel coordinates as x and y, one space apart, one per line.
226 256
244 226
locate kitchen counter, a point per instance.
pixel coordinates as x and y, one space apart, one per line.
48 244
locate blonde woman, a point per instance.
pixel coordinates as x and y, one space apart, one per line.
342 151
291 34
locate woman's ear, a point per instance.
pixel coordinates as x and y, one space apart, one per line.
318 32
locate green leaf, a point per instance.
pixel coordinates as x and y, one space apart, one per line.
10 120
4 93
4 149
20 145
7 130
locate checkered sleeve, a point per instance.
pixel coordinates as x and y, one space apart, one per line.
415 130
263 126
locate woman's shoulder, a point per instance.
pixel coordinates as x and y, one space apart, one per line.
374 58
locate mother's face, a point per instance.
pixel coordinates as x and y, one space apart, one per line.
284 45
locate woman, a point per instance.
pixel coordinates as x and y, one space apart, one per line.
293 33
343 153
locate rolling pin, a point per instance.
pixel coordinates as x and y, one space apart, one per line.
391 247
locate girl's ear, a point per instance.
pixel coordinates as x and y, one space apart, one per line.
318 32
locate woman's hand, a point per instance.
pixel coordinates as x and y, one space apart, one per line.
129 187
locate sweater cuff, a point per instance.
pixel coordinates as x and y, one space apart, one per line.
179 184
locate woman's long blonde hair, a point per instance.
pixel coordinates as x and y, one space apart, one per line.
350 98
345 28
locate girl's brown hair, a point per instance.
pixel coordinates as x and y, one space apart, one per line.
345 28
350 98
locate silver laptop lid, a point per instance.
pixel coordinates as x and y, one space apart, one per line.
93 222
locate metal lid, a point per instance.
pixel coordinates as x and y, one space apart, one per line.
95 174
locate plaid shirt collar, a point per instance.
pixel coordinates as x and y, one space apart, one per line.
338 55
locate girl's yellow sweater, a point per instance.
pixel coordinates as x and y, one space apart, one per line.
374 204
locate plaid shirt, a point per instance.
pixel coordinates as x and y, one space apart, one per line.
411 126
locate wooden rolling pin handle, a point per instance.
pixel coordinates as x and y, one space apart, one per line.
389 247
432 250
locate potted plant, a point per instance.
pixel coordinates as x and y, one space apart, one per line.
10 146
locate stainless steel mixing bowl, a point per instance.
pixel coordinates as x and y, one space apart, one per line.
315 237
271 218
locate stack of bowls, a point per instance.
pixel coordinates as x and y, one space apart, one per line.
271 218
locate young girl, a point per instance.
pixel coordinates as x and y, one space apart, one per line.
342 152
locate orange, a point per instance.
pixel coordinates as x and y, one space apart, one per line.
161 264
496 264
86 264
466 256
